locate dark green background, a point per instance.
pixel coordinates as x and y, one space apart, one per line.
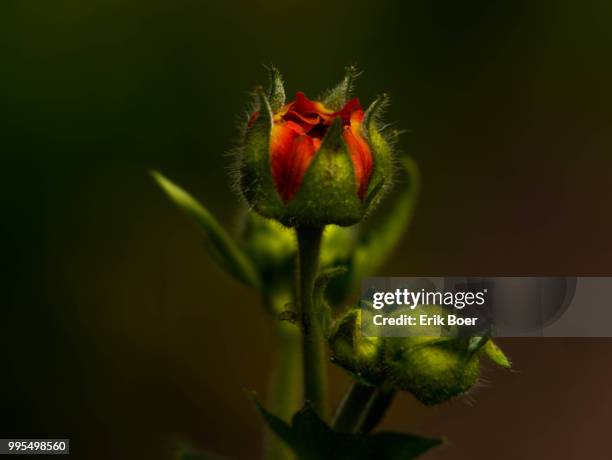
116 329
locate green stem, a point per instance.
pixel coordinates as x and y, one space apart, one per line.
351 407
285 386
313 352
285 391
362 408
376 409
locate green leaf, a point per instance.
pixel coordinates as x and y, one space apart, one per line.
495 354
312 439
220 244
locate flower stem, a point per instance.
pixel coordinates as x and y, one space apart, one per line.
362 408
376 409
286 380
313 353
351 407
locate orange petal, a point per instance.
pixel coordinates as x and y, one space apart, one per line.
361 156
305 121
291 153
351 110
281 146
304 105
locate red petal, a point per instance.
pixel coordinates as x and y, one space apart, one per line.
305 121
361 156
350 109
296 137
291 154
304 105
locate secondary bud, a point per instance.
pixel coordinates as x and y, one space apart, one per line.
434 369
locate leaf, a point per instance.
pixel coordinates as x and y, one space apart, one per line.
312 439
495 354
220 244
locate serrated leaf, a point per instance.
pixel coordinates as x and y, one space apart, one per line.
221 245
495 354
312 439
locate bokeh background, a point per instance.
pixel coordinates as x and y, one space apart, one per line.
117 330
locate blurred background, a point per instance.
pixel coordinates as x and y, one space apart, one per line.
118 331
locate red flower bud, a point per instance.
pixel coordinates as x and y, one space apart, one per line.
314 162
296 136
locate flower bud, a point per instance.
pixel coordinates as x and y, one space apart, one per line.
314 162
433 368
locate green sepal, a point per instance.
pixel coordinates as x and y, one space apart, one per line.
382 153
328 194
476 343
434 370
276 91
312 439
266 113
495 354
374 111
338 96
220 244
378 237
256 180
